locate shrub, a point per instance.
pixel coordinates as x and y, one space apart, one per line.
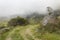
17 21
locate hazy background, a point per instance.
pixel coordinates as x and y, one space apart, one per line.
11 7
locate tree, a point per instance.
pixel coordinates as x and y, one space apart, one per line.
17 21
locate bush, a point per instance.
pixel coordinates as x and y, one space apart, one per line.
17 21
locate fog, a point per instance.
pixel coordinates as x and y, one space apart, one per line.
11 7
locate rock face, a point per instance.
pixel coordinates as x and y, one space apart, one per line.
50 23
50 17
3 30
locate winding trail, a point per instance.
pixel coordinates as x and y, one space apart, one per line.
25 32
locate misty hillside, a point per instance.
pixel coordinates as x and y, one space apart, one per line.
29 19
29 31
30 27
3 19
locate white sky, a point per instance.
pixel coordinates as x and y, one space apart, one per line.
10 7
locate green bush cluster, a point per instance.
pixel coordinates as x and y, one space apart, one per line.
17 21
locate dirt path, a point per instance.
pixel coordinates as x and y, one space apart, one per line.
25 33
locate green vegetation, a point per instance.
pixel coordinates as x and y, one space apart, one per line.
20 29
17 21
28 33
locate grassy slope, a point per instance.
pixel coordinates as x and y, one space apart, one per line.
27 33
